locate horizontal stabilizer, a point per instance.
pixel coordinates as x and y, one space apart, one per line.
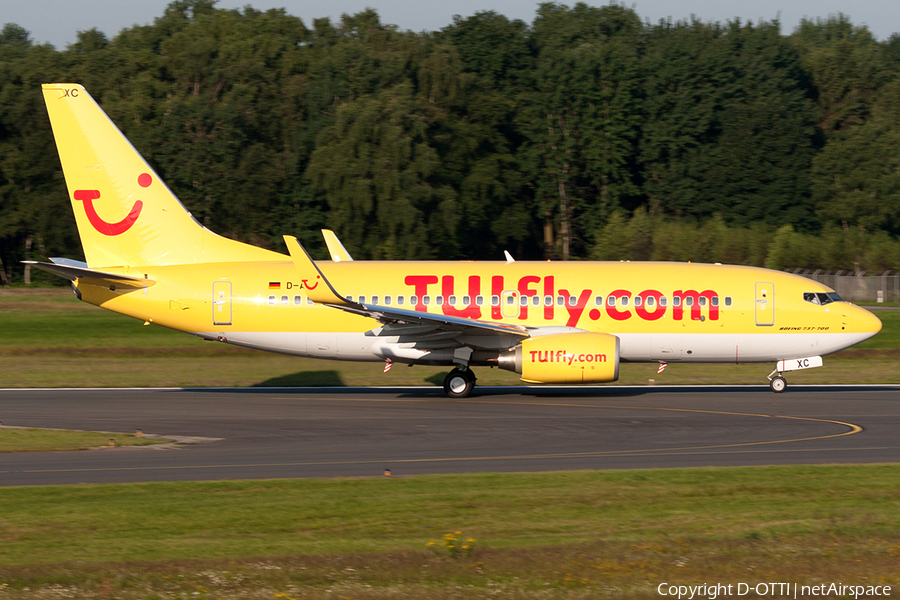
69 262
92 276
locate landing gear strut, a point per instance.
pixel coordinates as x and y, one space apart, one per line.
459 383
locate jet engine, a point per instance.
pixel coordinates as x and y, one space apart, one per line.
582 357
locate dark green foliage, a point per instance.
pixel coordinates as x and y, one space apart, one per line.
580 120
586 133
729 126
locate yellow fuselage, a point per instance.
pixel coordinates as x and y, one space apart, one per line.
660 311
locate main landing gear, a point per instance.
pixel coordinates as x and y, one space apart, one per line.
459 383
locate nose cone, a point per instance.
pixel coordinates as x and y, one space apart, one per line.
863 324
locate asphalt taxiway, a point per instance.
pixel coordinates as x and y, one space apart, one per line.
327 432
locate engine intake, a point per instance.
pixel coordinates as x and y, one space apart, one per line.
565 358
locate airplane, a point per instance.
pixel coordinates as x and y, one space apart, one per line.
549 322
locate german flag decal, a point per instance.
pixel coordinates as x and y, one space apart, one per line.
274 285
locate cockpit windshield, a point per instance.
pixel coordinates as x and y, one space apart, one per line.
822 298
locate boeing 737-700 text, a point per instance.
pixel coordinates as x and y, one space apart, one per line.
551 322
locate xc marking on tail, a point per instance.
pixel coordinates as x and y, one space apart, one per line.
111 229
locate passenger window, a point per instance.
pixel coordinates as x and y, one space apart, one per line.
523 300
702 300
466 300
439 300
374 299
452 301
362 299
637 300
310 302
414 300
349 298
401 300
560 300
676 301
598 300
650 300
548 300
426 300
495 300
573 301
688 301
284 300
715 300
387 300
663 301
624 300
535 300
727 300
610 300
272 300
479 300
298 300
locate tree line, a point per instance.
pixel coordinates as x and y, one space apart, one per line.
584 134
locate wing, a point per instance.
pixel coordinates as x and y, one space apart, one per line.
438 331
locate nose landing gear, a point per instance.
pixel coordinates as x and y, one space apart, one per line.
777 383
459 383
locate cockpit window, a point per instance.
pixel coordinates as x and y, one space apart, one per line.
822 298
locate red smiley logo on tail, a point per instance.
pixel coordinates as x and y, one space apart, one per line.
88 196
111 229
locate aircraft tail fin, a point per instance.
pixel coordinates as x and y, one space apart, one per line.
126 215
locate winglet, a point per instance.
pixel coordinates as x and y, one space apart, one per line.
509 258
335 247
317 287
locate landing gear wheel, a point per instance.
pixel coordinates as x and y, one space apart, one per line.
778 384
459 383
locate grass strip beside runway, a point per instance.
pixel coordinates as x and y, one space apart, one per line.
549 535
22 439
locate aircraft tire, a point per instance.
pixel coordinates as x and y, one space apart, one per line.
459 383
778 384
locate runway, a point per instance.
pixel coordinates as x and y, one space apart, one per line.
353 432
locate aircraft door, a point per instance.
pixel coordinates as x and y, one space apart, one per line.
509 303
221 303
765 303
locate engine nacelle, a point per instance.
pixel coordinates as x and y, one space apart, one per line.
565 358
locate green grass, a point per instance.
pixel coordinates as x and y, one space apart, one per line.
79 345
556 535
45 320
16 439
